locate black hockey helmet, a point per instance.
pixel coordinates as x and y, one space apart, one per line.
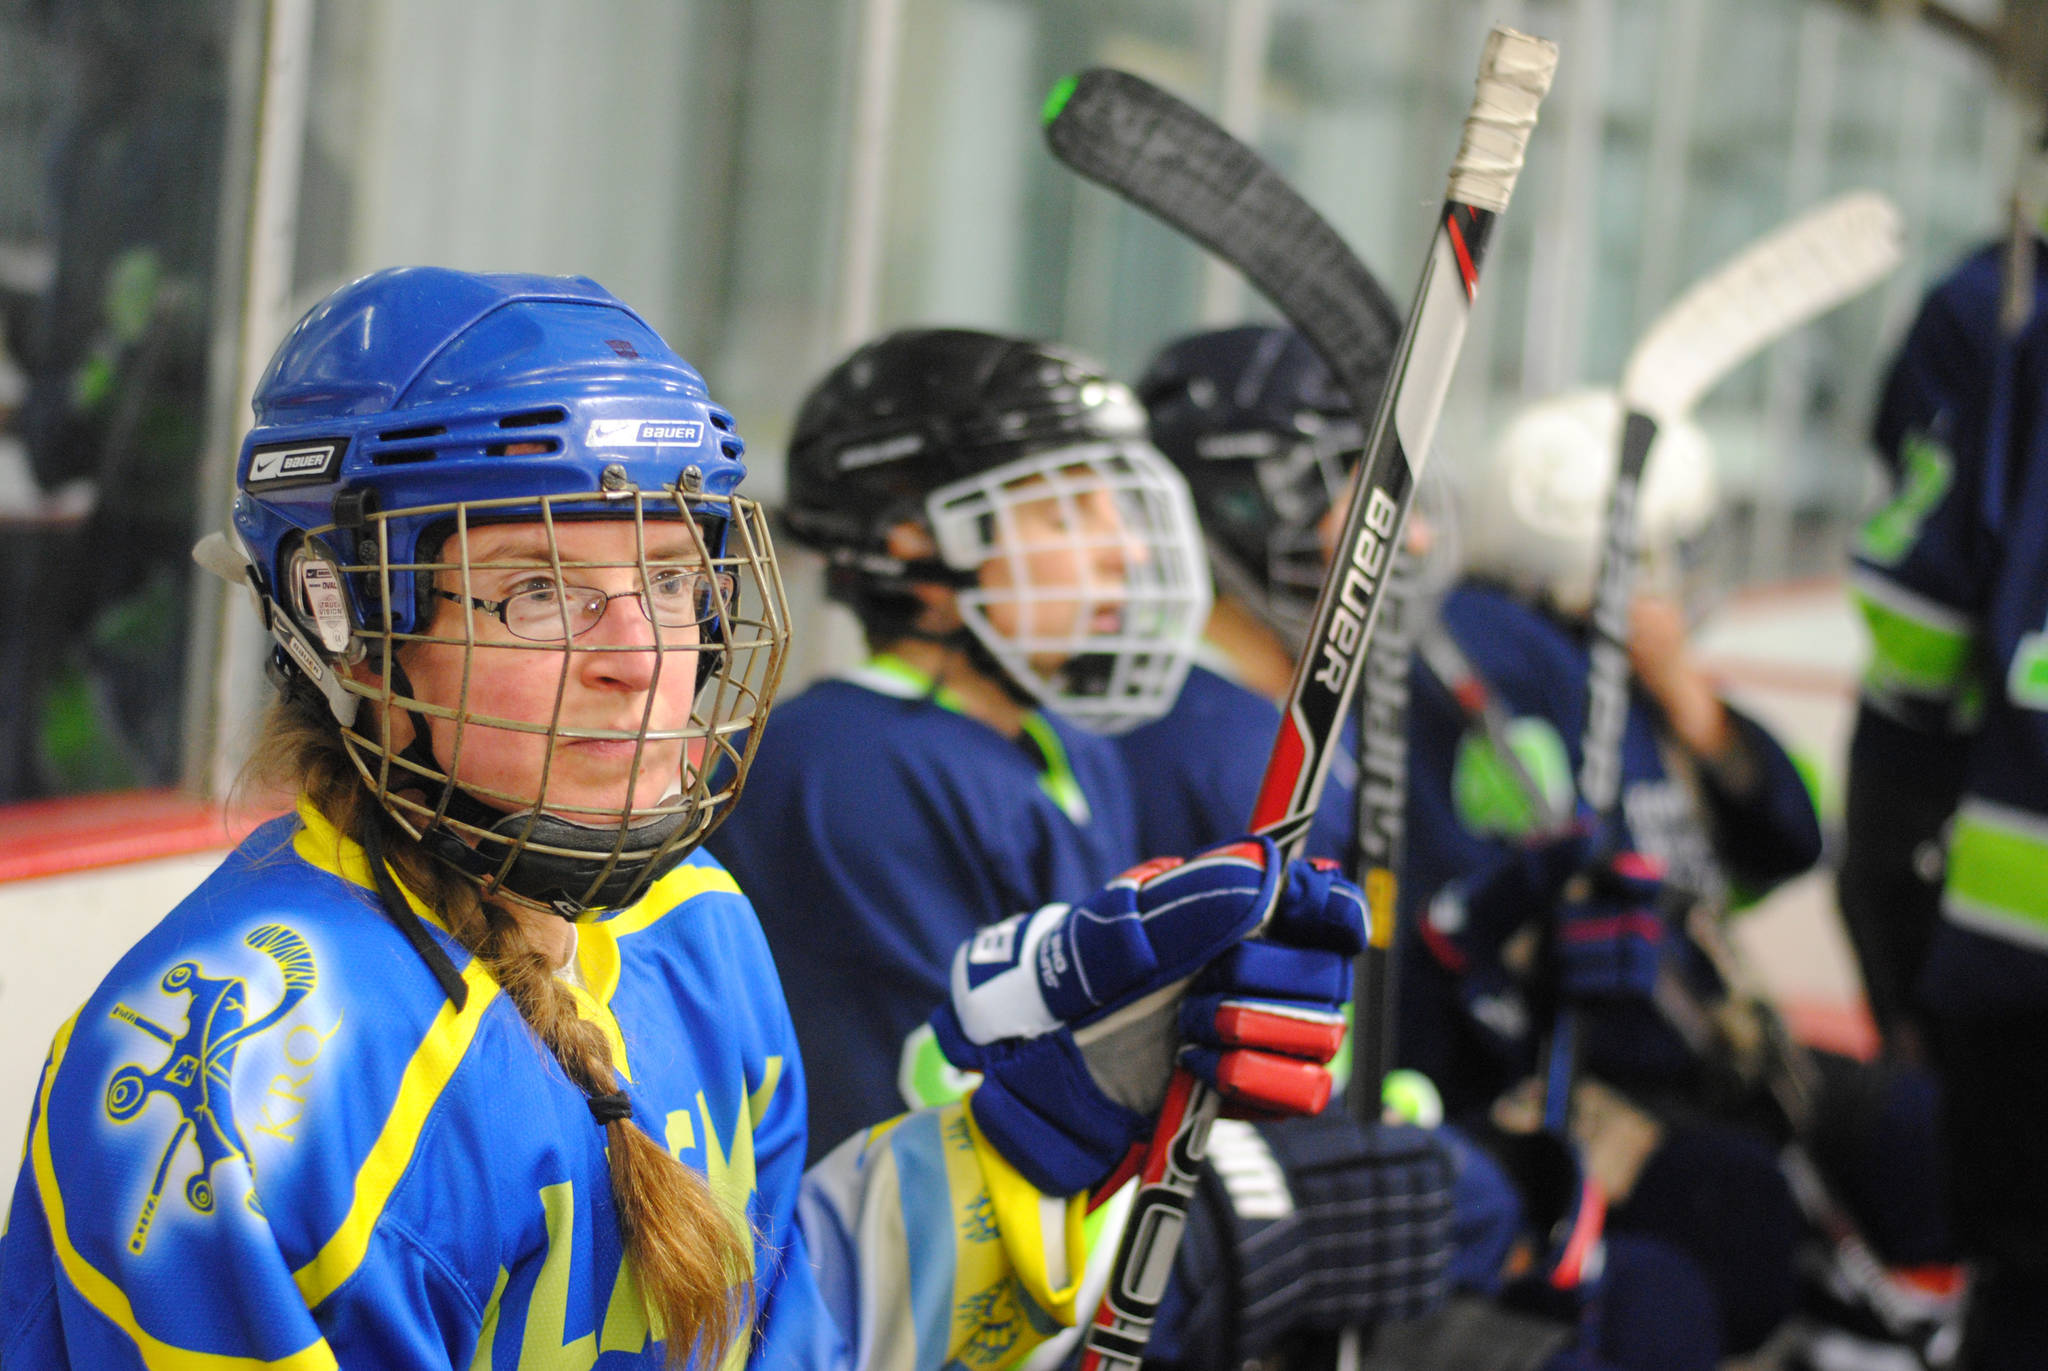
950 429
916 410
1266 438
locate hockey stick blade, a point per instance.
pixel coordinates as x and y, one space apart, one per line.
1166 156
1793 274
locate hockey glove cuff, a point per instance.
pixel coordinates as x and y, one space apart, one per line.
1611 943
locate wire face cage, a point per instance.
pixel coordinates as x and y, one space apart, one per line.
1093 586
577 703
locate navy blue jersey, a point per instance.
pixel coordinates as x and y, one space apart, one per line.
1945 362
1952 578
882 828
1196 771
1708 840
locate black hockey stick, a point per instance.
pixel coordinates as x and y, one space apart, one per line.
1379 826
1167 157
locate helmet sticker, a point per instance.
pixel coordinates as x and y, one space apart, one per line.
888 450
320 592
643 433
292 464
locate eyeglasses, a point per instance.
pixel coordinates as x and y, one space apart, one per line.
674 598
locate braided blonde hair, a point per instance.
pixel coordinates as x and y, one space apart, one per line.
692 1257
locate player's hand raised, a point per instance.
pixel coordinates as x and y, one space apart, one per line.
1075 1014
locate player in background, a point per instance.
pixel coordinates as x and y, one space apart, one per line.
1907 757
1029 576
1713 812
1253 419
476 1059
1944 856
1026 571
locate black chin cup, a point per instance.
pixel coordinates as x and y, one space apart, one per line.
569 884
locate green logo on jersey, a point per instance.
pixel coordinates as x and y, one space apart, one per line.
2026 684
197 1075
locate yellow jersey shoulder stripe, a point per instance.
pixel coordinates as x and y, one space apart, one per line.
108 1298
667 894
325 848
433 1064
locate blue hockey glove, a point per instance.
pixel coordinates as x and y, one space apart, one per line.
1610 942
1608 917
1074 1015
1467 923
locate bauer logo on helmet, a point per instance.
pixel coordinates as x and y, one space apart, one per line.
642 433
301 463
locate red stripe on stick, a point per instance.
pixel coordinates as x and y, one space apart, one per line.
1283 776
1466 270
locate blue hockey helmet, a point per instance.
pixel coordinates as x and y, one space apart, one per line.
420 388
419 402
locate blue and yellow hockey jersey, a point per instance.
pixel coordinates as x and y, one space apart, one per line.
269 1140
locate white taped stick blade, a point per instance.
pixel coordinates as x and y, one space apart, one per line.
1514 76
1795 273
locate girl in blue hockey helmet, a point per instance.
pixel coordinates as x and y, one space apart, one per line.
475 1059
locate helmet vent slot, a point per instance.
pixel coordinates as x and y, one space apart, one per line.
524 446
402 456
720 421
400 435
534 417
732 448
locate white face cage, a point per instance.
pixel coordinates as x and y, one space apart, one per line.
1092 587
599 759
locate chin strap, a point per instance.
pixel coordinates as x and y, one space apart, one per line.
963 641
561 882
399 910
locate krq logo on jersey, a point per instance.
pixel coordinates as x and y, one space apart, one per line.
197 1074
644 433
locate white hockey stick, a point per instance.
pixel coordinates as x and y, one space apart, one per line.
1795 273
1151 148
1789 276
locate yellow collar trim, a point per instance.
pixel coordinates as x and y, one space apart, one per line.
665 896
320 844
